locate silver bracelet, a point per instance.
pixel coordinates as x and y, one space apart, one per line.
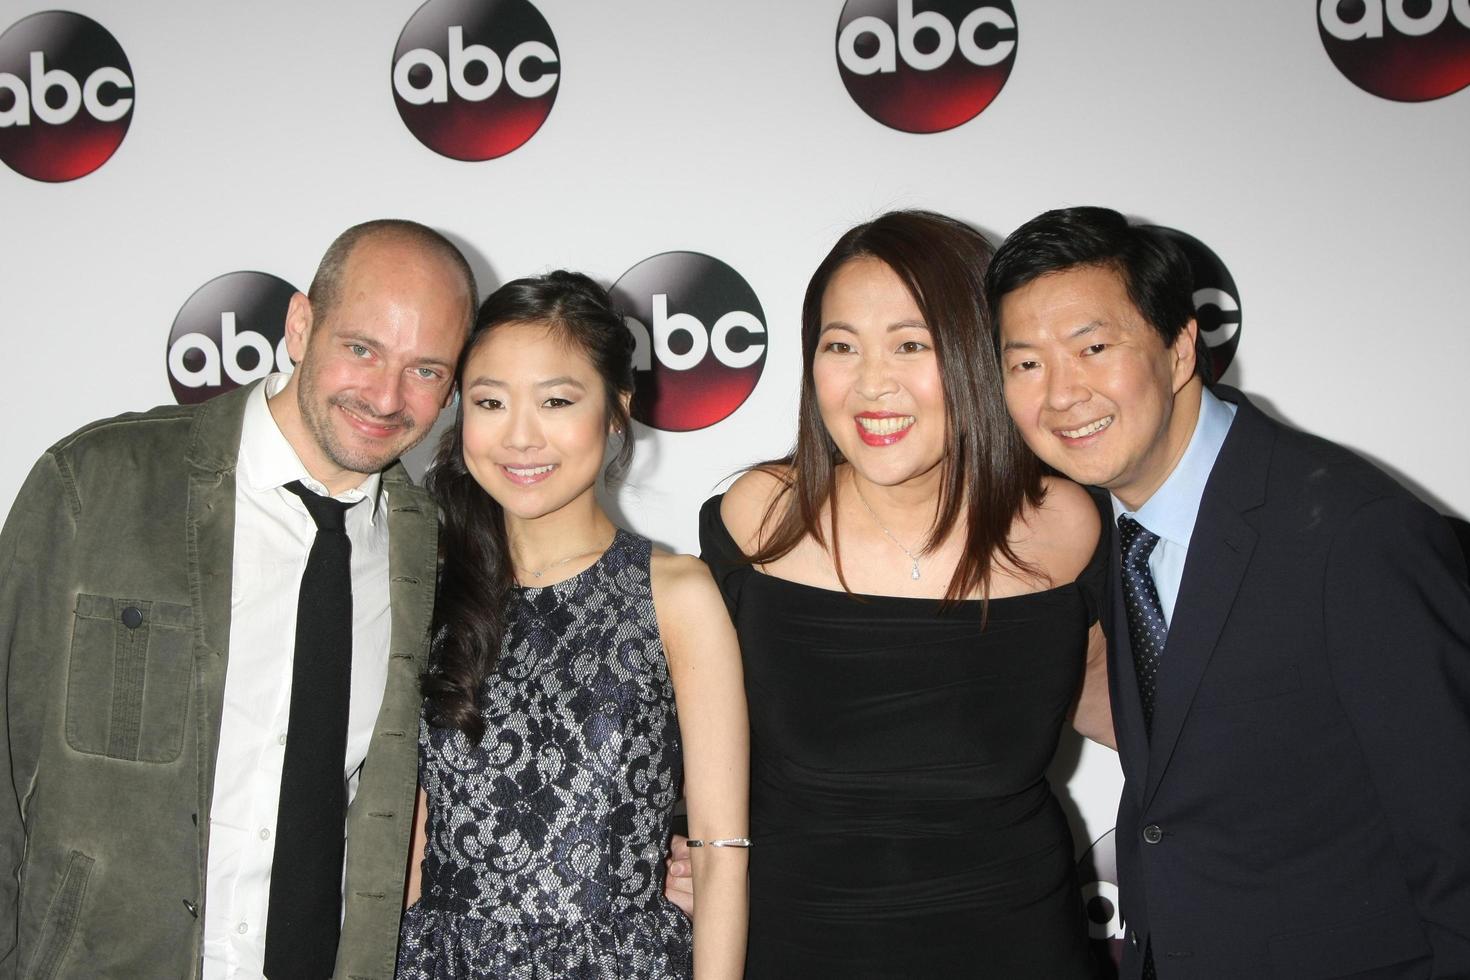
723 842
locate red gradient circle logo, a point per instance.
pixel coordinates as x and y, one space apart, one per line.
1216 300
699 339
1404 50
66 96
475 79
924 66
231 332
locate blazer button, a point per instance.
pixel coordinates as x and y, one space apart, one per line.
132 617
1152 834
1132 939
193 909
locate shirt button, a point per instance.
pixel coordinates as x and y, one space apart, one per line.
281 739
1152 834
242 928
265 833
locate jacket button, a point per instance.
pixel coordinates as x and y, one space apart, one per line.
132 617
1132 939
1152 834
193 909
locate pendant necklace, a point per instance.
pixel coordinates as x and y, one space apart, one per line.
913 559
538 572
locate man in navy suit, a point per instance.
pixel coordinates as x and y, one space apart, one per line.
1289 637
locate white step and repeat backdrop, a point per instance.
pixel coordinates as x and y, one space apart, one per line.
174 170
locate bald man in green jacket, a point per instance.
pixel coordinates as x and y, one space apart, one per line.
123 576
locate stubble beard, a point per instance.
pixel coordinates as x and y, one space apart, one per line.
316 413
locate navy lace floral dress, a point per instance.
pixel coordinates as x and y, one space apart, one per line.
546 842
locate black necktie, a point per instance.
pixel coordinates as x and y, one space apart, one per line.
1147 630
305 917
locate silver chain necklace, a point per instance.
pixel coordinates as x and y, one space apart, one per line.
538 572
913 559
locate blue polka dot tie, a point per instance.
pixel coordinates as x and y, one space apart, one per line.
1147 630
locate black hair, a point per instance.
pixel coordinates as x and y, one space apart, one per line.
470 615
1154 270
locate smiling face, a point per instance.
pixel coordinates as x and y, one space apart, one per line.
876 376
1092 386
374 370
535 419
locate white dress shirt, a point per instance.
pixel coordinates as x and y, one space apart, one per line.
273 534
1171 511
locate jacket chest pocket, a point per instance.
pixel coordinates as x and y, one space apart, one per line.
127 687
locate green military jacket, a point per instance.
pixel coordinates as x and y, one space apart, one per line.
115 569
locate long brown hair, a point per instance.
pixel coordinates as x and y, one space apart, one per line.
989 474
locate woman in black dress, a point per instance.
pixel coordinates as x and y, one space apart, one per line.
913 599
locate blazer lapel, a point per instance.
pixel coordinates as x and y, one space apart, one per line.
1219 554
379 820
1220 551
213 456
413 556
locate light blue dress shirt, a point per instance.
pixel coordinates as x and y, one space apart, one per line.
1171 511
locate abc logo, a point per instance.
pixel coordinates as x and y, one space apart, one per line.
1404 50
1216 300
231 332
474 79
699 339
1097 872
925 70
66 96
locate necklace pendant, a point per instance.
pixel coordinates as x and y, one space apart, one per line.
915 573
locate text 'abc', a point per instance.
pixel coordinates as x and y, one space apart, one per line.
904 45
444 77
716 340
1370 24
75 95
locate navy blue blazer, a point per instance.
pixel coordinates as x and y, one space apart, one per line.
1303 807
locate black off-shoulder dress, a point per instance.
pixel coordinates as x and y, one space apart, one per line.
902 823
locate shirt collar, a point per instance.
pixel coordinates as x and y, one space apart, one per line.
267 461
1171 511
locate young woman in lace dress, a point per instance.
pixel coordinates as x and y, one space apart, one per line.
578 677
